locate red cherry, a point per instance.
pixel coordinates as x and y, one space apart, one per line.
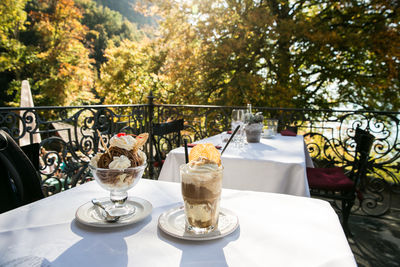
121 134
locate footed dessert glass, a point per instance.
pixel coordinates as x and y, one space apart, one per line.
118 182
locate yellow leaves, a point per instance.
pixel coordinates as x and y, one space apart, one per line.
62 69
229 52
61 23
127 77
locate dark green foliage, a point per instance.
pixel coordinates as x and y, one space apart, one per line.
127 9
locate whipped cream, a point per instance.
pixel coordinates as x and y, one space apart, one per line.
95 159
203 172
142 155
121 162
201 165
126 142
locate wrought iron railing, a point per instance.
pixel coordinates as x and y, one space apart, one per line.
70 138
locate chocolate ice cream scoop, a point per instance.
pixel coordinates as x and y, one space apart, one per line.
107 158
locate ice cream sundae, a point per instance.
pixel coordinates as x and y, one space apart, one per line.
121 163
201 188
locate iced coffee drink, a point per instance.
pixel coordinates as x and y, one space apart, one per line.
201 182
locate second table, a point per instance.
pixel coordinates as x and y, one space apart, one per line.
275 165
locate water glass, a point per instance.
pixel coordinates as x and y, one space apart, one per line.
224 137
270 128
238 119
237 115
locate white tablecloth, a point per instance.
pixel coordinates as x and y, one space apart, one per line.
275 230
276 165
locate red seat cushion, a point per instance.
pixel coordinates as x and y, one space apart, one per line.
328 179
157 164
288 133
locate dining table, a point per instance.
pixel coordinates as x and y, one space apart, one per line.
272 230
277 164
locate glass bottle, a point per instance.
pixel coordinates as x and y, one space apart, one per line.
249 108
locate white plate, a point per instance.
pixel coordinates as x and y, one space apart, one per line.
87 214
173 222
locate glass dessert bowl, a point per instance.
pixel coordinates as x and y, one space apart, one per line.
119 169
118 182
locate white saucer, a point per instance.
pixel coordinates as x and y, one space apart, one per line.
267 136
173 223
87 214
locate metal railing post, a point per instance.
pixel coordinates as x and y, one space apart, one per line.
150 113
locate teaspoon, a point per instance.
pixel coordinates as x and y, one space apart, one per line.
108 217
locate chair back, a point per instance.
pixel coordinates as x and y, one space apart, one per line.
364 141
32 152
168 127
166 136
19 179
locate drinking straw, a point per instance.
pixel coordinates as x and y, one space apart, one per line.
102 143
186 151
233 134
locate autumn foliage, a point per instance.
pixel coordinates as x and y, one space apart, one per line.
303 54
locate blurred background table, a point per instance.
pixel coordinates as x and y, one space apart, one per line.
276 165
275 230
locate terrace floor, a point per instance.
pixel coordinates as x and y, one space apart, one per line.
376 241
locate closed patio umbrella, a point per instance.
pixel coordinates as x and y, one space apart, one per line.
27 102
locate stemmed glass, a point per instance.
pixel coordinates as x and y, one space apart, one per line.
238 119
118 182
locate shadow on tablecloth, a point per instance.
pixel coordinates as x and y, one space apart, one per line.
202 253
110 250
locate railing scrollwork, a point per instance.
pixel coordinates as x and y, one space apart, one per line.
70 137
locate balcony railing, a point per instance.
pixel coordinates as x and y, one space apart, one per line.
70 138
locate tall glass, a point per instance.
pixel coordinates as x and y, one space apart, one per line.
201 192
238 119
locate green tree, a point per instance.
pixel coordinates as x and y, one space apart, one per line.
281 53
14 54
130 73
128 9
105 25
359 49
62 72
